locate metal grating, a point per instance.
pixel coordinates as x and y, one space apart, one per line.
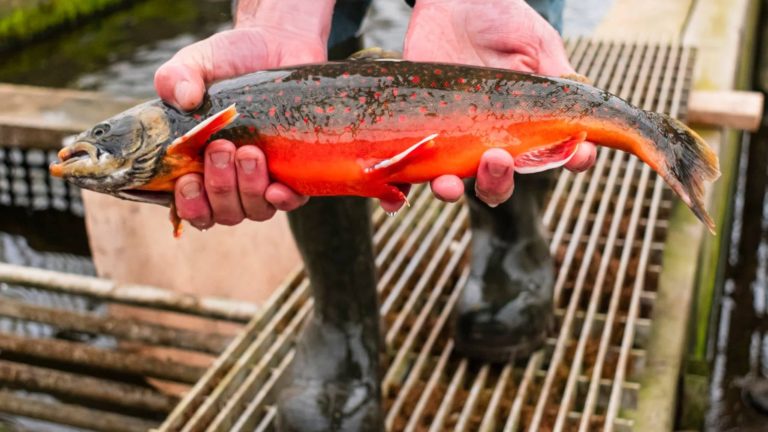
607 229
97 368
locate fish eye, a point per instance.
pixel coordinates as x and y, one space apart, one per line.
100 130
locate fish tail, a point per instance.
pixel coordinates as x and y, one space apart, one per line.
686 162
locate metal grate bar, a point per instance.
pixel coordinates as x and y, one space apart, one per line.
604 295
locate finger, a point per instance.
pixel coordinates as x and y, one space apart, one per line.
221 183
180 84
283 197
553 59
448 188
395 205
191 202
583 159
252 182
495 177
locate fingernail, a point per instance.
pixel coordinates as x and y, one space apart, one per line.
248 165
183 93
190 190
497 169
220 159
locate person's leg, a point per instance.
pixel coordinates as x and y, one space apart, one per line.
335 375
334 382
506 309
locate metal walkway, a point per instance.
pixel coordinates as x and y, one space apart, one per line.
607 229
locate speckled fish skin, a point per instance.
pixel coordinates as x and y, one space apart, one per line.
326 129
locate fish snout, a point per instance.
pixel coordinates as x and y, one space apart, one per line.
71 154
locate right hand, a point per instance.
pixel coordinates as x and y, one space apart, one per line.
235 184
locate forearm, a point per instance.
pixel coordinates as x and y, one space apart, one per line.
303 17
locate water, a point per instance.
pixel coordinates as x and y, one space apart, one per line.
740 361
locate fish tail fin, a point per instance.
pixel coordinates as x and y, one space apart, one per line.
686 163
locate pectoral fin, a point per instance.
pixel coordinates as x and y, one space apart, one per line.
193 141
550 156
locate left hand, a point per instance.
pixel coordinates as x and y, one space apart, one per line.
496 33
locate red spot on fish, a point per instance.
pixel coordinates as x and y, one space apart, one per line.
433 84
297 99
343 94
281 92
413 95
362 99
390 78
554 100
272 111
347 128
264 97
402 118
415 79
438 71
362 121
478 87
330 109
347 109
566 89
499 75
443 103
197 117
498 104
486 98
516 93
446 84
288 114
319 110
394 92
306 120
377 95
378 119
461 80
251 129
457 97
249 98
497 88
423 109
345 75
317 129
473 109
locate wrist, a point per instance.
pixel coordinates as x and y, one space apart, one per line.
310 18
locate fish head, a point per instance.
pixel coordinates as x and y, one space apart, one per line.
122 153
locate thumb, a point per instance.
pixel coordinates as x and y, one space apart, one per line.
182 80
553 60
180 84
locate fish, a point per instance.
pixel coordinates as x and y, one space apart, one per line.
371 127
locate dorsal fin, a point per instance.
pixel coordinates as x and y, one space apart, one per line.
376 53
191 142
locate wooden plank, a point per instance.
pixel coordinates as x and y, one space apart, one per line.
726 108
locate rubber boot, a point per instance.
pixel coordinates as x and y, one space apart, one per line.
334 378
505 310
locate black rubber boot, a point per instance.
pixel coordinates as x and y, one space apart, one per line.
505 310
334 379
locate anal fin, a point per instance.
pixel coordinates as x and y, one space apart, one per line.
550 156
191 142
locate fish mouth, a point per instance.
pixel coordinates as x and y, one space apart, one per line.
74 153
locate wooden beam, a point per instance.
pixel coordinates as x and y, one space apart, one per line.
726 108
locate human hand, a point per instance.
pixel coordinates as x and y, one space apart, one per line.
497 33
235 184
